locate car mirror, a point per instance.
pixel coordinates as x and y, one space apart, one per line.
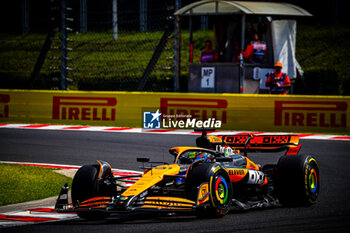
142 160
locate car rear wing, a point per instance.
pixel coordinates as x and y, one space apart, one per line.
252 143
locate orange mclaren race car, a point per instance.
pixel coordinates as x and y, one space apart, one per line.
207 180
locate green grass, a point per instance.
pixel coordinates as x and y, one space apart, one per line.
96 55
19 183
324 47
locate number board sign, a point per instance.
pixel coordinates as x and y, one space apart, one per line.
208 77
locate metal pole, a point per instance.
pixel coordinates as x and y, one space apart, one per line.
83 16
177 64
241 58
63 85
335 15
115 19
177 55
41 59
191 40
157 52
25 16
143 15
204 22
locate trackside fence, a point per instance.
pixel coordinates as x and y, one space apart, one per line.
323 114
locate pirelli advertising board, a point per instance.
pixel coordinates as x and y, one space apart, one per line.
178 110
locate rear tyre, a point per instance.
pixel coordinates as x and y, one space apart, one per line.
84 187
219 187
298 180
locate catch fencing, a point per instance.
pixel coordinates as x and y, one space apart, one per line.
119 45
128 45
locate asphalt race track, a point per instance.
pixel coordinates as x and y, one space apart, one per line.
330 214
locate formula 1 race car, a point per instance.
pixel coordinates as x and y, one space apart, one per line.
207 180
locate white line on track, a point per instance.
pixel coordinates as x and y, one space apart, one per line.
163 131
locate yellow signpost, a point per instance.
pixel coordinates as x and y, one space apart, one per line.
324 114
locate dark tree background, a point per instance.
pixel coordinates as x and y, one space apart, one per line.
328 12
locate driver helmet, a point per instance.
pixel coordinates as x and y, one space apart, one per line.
197 155
192 155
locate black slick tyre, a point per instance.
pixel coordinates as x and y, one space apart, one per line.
84 186
298 180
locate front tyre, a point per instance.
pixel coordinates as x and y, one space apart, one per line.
298 180
84 187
